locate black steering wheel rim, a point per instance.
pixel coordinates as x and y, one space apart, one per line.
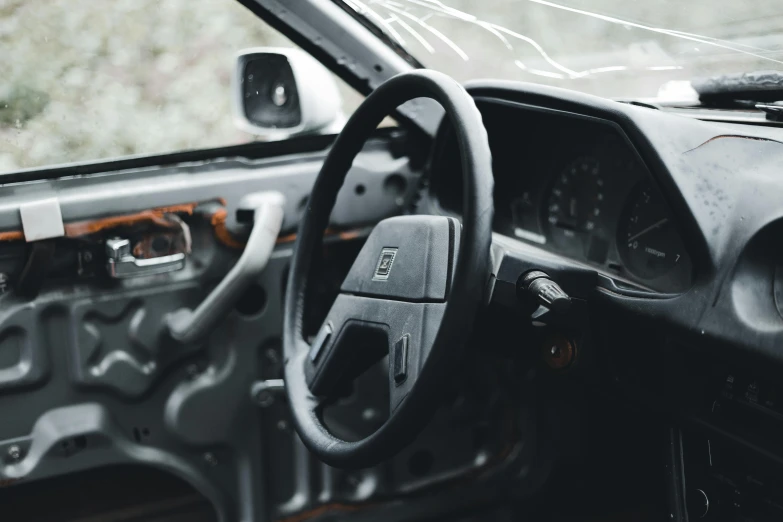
467 287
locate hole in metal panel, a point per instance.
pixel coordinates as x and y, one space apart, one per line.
252 302
420 463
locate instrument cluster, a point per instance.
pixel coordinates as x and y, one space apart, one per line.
574 185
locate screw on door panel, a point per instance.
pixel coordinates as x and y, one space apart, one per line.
263 392
272 355
210 459
193 371
264 398
14 453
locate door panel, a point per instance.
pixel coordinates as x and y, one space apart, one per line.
88 376
117 342
125 192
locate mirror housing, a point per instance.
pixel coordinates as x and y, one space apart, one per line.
283 92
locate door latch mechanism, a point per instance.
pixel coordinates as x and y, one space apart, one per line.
122 264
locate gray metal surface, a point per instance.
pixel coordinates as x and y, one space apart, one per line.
122 192
188 326
91 378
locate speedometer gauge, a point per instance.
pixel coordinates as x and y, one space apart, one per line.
573 211
576 198
647 239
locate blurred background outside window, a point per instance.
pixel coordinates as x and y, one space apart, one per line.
86 80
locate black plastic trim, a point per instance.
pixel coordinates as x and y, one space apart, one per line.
639 290
561 100
252 150
675 475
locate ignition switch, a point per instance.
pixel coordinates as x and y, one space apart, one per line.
558 352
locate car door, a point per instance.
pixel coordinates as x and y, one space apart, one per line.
137 325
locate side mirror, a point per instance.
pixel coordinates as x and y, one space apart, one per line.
281 92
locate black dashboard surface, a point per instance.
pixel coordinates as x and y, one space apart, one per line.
573 185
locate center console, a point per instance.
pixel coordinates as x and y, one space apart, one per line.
726 459
723 482
732 466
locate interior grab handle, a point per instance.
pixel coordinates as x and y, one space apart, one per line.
189 326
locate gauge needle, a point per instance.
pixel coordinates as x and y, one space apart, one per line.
643 232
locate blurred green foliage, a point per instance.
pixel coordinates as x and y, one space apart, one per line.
88 80
21 104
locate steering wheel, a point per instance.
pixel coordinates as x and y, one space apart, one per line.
412 292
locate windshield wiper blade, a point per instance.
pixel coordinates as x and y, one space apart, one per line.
740 90
762 90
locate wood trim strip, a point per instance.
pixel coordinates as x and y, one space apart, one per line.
156 215
83 228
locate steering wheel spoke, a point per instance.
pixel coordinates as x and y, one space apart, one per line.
348 343
364 331
413 330
359 331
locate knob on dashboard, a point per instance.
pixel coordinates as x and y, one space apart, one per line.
697 503
537 285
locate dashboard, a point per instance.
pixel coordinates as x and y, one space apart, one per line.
576 186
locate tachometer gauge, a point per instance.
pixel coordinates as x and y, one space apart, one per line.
647 240
575 201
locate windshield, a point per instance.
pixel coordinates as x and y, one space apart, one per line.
612 48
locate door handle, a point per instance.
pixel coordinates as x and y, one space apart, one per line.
189 326
122 264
